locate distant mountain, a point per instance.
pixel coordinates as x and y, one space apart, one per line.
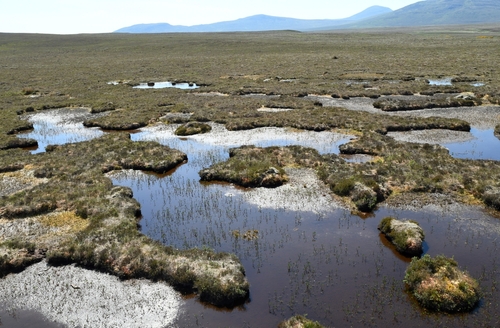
435 12
256 23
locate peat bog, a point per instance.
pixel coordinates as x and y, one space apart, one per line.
281 102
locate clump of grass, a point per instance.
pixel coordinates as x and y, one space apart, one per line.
409 167
299 321
17 254
407 236
395 104
439 285
344 186
192 128
364 191
491 196
247 235
249 167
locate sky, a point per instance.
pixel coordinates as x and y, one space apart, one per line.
104 16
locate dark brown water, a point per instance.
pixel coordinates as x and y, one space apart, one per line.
315 260
331 265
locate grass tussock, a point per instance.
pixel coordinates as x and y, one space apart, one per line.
251 166
299 321
192 128
408 167
439 285
391 104
407 236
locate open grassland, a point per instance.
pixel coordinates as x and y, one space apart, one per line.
238 73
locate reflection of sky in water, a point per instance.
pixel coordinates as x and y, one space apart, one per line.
446 81
161 85
484 146
60 127
215 144
207 149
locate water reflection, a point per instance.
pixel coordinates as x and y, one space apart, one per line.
161 85
478 144
59 127
445 81
484 145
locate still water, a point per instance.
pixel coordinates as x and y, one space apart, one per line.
312 256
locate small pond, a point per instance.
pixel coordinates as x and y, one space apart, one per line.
478 144
162 85
484 145
445 81
59 127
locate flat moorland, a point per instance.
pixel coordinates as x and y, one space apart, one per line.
237 74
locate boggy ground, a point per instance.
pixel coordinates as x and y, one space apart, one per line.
94 223
397 168
43 72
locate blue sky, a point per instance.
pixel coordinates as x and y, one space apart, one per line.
102 16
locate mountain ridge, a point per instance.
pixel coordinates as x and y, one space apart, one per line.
255 23
435 13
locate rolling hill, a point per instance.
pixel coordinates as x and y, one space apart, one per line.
256 23
435 12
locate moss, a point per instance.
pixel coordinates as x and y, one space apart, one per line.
192 128
406 236
249 167
299 321
439 285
